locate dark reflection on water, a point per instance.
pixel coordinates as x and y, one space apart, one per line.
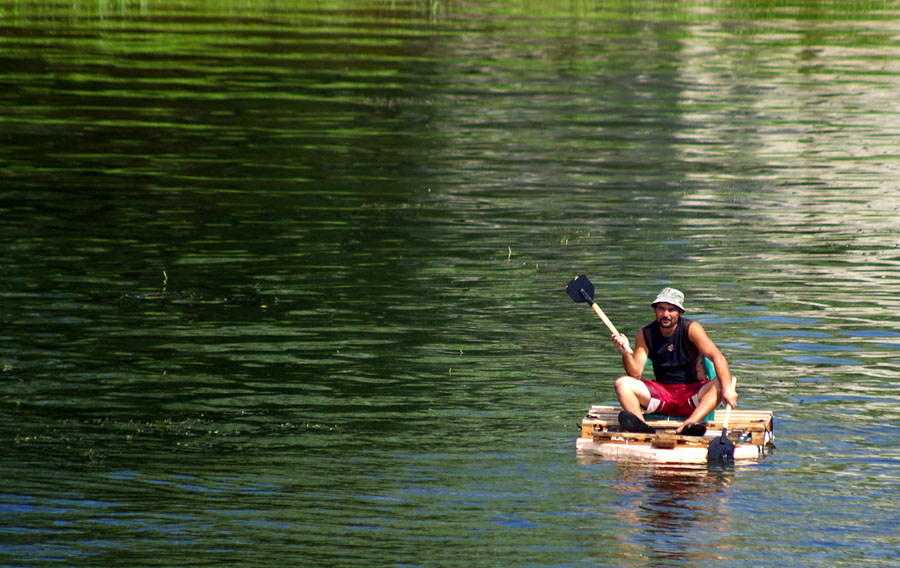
283 283
677 514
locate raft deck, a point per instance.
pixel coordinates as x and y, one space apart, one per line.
752 432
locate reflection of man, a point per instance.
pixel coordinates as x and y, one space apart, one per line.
671 505
677 347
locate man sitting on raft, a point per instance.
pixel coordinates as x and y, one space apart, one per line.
676 346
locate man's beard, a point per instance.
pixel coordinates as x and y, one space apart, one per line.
667 322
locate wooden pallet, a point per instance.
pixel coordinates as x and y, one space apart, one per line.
752 432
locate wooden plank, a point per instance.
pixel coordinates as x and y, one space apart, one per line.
737 415
658 440
667 441
648 454
600 436
606 417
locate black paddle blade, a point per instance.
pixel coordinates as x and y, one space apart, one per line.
721 450
580 289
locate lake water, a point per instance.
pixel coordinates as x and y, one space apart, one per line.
283 282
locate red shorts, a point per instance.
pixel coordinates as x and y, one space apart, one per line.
673 400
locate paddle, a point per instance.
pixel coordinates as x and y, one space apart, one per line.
721 450
581 289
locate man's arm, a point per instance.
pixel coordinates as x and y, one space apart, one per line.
633 363
708 349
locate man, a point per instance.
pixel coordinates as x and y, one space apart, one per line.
676 346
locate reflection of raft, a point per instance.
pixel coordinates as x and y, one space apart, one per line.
750 430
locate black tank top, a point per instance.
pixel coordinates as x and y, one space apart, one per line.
675 359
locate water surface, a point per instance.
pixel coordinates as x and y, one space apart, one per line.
283 282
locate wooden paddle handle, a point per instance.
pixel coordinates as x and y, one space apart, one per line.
727 417
728 406
609 324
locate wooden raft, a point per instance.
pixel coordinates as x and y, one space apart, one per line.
752 432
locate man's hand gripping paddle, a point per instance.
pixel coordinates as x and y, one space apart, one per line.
580 289
721 450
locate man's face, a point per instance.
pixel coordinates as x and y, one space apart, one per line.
666 315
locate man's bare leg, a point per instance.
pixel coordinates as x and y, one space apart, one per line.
708 398
633 395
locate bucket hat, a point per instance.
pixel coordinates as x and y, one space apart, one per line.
670 296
